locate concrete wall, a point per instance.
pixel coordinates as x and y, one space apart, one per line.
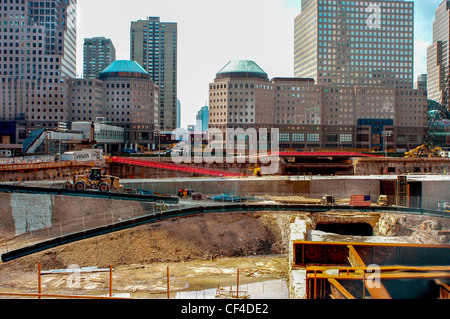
434 192
371 166
215 186
49 215
346 187
315 187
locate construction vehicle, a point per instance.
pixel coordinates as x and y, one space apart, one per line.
423 150
256 170
429 139
383 200
327 200
96 179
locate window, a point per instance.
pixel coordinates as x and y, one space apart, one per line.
345 138
298 137
284 137
313 137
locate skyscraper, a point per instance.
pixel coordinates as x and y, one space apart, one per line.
98 54
58 18
154 46
202 119
438 54
349 43
37 54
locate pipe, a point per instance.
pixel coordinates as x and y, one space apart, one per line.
39 280
110 281
237 287
168 283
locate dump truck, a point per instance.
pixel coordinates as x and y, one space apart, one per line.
96 179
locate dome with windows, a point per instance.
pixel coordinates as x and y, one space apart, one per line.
124 68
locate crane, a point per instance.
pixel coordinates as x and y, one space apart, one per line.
429 144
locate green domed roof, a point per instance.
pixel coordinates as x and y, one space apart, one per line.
124 68
242 68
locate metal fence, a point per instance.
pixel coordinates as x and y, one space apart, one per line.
419 205
82 224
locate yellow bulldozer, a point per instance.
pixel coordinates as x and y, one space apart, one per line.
96 179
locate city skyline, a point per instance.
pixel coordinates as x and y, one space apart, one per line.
207 39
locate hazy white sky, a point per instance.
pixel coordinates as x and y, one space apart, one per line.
213 32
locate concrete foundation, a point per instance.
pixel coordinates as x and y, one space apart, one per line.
432 189
297 277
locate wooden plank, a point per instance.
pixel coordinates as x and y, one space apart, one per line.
444 290
354 258
338 291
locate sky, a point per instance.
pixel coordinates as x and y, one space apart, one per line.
211 33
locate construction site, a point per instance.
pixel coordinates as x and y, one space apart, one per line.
331 225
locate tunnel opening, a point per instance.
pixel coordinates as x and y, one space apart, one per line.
350 229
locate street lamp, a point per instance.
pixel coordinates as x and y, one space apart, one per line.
62 127
157 131
385 135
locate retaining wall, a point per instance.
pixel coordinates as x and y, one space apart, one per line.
25 213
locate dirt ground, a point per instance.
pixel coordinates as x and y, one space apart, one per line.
201 252
140 256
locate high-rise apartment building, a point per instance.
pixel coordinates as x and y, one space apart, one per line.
348 43
37 54
438 53
98 54
154 46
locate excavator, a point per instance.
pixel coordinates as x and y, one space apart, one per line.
424 150
427 148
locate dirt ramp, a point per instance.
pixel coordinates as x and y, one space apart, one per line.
200 237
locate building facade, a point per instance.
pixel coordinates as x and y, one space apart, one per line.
349 43
37 55
438 53
109 137
202 120
98 54
154 46
422 82
123 96
314 116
